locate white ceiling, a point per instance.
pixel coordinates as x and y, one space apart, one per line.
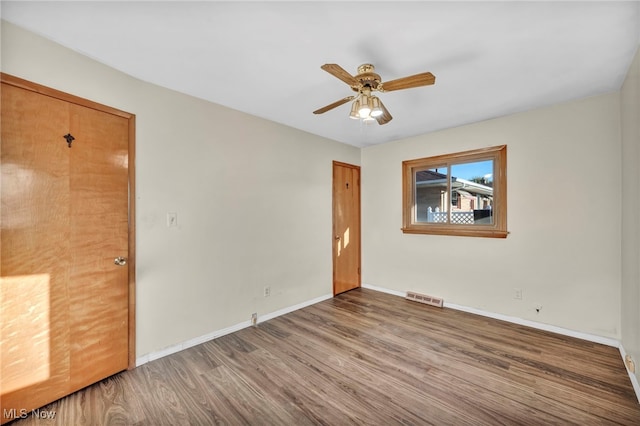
490 58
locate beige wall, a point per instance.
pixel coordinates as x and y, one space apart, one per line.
253 199
630 96
564 212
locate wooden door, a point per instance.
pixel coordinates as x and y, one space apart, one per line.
66 307
346 227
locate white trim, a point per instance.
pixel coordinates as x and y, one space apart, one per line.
533 324
539 325
219 333
275 314
632 376
385 290
189 343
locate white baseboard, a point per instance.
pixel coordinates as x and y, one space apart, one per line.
533 324
219 333
632 376
280 312
385 290
189 343
539 325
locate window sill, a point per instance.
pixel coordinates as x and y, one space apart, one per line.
464 232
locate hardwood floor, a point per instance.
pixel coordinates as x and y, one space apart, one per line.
366 357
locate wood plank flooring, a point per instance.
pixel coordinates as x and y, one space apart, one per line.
366 357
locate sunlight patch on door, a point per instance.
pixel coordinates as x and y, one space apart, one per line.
345 238
22 181
25 331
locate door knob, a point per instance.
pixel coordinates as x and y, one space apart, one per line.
120 261
337 237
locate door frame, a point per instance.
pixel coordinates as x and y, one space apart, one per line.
333 221
131 118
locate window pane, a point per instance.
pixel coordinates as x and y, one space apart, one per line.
472 193
432 195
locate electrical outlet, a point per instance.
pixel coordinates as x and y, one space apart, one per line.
254 318
517 293
172 219
267 291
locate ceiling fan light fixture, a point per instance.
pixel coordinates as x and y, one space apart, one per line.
365 108
354 110
376 110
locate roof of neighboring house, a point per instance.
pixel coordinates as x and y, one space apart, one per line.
426 177
470 186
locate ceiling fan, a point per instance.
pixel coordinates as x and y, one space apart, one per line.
366 106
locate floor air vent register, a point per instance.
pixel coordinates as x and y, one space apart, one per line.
426 299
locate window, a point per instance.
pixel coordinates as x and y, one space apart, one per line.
456 194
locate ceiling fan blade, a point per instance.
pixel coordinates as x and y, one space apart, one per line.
423 79
339 72
333 105
385 117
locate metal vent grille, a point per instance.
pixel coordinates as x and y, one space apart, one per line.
423 298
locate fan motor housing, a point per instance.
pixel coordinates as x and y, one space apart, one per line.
367 78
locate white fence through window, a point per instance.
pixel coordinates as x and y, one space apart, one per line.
458 218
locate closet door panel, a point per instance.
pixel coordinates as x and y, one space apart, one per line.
99 234
35 239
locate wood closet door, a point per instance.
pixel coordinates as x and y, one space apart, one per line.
64 302
346 227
